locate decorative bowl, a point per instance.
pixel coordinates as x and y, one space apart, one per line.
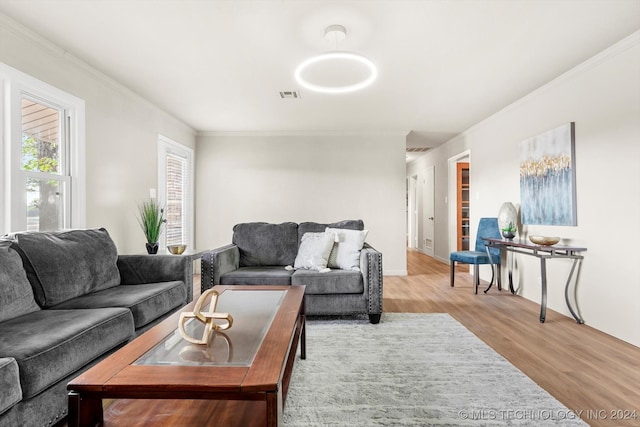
508 234
544 240
177 249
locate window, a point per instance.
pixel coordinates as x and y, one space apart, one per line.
175 180
42 179
43 169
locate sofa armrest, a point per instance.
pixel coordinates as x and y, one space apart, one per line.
371 268
216 262
140 269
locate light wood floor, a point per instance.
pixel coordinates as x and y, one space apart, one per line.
583 368
590 372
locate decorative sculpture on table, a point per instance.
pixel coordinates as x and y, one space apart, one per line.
210 319
200 353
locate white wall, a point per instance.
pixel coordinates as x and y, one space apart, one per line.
121 132
324 177
602 97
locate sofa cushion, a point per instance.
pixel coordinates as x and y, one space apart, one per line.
16 295
329 283
48 345
346 249
315 227
257 276
62 265
314 250
147 302
9 384
263 244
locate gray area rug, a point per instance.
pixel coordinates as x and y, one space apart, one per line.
412 370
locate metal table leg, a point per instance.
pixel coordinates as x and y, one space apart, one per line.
566 290
510 262
543 303
493 271
496 272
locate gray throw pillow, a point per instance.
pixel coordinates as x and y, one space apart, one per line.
16 295
62 265
314 251
264 244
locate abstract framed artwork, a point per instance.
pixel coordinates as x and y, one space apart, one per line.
548 178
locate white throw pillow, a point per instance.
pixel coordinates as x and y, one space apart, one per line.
346 249
314 250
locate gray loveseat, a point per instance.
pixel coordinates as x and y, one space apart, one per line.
260 254
67 299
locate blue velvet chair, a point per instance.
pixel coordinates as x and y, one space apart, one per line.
488 227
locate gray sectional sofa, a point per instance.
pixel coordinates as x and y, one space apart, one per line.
67 299
266 254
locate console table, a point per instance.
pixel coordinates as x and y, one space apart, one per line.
543 253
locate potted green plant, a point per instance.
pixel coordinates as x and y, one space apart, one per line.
151 219
509 232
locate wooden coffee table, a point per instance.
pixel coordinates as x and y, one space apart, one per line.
250 362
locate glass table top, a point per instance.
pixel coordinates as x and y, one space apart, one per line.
252 312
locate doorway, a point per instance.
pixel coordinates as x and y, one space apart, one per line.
420 211
462 205
452 197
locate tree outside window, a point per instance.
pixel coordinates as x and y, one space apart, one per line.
41 159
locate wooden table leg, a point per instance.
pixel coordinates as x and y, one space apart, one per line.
83 411
303 338
274 408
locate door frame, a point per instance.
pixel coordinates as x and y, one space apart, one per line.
412 211
453 196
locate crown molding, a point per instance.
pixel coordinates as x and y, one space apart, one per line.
612 51
402 133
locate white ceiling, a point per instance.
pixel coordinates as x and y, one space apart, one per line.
444 65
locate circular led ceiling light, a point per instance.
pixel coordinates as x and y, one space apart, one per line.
338 66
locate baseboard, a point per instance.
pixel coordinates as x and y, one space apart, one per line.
394 273
444 260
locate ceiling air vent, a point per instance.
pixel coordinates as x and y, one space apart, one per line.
417 149
289 94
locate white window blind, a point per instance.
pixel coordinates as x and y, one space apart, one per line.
175 193
177 228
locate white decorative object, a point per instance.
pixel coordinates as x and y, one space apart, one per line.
314 251
333 64
508 219
346 249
